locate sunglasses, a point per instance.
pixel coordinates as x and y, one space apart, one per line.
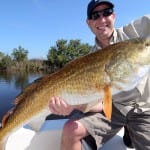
102 13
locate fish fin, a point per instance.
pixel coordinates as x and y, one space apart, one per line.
37 122
6 116
107 102
30 89
26 92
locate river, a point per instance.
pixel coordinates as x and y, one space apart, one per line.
11 84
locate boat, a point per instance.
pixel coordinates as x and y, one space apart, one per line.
49 138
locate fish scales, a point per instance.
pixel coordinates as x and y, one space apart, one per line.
81 82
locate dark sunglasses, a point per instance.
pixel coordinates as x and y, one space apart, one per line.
102 13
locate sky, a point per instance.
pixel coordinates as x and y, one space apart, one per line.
36 25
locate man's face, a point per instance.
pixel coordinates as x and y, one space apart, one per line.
102 25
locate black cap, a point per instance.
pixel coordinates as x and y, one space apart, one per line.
93 3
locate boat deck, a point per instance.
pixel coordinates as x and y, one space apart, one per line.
49 138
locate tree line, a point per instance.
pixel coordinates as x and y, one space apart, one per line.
58 55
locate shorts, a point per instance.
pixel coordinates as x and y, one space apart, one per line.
99 129
138 122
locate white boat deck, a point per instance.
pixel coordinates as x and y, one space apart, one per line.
49 139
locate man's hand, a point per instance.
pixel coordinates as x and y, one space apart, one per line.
59 107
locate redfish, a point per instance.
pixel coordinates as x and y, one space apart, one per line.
82 82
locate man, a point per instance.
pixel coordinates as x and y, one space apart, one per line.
130 109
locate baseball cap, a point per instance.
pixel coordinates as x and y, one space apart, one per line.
93 3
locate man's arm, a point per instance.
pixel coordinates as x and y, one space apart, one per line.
138 28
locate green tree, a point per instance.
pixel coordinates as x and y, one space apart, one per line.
5 61
65 51
20 54
1 55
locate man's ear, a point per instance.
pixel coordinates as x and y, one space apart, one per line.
88 22
114 16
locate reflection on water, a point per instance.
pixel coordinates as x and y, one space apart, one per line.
11 85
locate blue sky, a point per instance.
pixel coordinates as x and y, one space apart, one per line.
36 25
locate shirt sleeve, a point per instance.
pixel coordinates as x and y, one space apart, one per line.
138 28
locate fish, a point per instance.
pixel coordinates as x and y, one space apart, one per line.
82 82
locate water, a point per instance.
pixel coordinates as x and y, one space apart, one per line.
11 85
